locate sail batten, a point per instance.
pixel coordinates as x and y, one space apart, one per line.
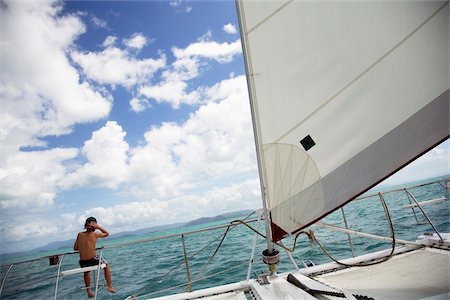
344 94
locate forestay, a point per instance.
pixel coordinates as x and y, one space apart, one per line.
343 95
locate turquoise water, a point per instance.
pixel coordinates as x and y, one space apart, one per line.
141 269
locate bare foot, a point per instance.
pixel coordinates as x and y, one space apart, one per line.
90 293
111 289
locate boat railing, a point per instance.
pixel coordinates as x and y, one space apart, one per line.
57 259
414 203
411 198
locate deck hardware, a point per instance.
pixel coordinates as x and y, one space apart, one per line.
262 279
271 259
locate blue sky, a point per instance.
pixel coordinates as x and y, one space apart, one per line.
135 112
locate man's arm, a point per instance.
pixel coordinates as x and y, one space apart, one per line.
75 246
104 233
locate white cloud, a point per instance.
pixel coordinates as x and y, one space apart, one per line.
109 41
107 159
137 41
33 231
216 142
221 52
230 28
180 8
115 66
175 3
242 195
30 179
174 88
40 92
173 92
121 215
215 132
99 22
207 37
182 70
30 230
138 105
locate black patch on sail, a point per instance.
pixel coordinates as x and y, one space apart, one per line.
307 142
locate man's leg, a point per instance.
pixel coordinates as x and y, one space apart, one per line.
108 279
87 282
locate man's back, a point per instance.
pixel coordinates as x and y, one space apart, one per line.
86 244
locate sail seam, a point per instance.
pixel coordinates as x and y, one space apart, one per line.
363 73
269 16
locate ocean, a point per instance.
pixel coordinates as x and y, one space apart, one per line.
142 268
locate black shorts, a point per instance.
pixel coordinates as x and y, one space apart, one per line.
91 262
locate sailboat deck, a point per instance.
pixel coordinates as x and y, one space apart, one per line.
398 278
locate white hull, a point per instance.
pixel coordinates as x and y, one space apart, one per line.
410 274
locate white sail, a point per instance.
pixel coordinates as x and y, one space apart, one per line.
343 95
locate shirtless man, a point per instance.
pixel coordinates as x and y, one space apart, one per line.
85 244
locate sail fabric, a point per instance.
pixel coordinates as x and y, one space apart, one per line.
343 95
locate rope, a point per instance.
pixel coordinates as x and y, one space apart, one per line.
291 279
221 242
391 227
312 238
193 255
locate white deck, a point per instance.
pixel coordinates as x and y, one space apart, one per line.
419 274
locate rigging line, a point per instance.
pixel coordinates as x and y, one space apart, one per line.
215 252
362 73
311 237
391 227
193 255
175 268
220 244
276 243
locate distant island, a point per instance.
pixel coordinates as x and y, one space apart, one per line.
221 217
59 245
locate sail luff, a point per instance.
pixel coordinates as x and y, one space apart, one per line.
256 127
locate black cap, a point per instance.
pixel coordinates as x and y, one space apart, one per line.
89 220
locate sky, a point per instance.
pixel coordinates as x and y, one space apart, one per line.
135 112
